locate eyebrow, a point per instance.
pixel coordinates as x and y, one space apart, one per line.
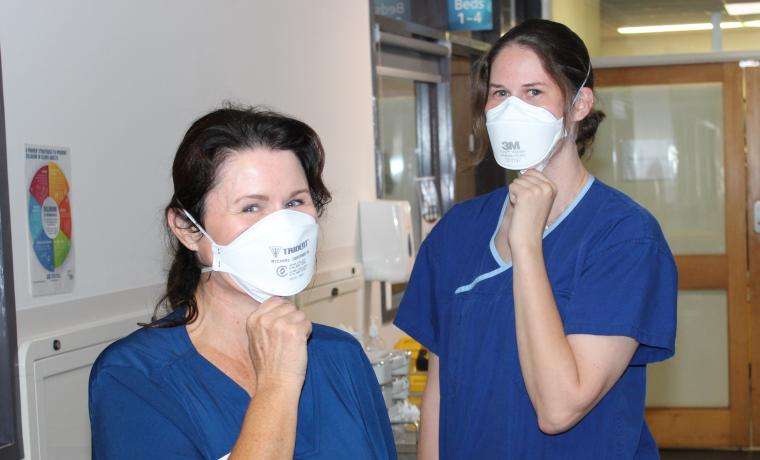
535 83
266 198
254 197
298 192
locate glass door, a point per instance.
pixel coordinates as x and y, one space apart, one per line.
413 150
406 159
673 140
400 151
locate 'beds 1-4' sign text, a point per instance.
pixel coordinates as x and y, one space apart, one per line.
470 14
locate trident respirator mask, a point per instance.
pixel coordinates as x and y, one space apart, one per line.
524 136
274 257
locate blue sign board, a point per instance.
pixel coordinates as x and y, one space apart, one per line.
396 9
470 14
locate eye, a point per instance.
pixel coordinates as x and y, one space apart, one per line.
251 208
500 93
534 92
294 203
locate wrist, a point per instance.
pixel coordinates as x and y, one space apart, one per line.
526 246
279 384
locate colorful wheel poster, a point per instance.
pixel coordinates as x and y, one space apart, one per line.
51 251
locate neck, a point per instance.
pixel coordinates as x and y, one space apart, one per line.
222 315
568 174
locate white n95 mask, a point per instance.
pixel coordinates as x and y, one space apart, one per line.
524 136
273 257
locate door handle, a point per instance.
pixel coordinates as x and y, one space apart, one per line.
757 217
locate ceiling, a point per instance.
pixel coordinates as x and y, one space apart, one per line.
617 13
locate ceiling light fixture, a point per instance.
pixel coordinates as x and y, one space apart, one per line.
740 9
685 27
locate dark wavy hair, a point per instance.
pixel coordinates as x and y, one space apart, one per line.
564 57
210 140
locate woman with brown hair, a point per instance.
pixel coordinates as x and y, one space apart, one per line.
541 302
236 370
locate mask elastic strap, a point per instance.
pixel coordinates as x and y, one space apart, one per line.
197 225
203 269
578 93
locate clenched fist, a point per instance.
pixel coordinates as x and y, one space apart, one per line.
532 196
277 335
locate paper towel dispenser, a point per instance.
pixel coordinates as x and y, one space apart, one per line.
387 236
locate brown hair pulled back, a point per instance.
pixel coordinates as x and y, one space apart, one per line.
564 57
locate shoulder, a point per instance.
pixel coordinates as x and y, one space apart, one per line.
616 218
480 206
329 338
335 344
468 216
142 352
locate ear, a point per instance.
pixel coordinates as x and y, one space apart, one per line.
583 105
183 229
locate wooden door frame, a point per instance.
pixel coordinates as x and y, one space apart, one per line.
752 92
711 427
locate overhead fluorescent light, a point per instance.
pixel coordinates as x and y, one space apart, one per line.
731 25
740 9
685 27
664 28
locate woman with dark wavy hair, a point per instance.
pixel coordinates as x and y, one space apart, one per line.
541 302
235 370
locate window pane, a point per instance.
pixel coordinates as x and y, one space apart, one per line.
663 146
697 376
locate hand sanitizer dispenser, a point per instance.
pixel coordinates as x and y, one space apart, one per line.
387 240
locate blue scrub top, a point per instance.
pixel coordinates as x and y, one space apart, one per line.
611 273
152 395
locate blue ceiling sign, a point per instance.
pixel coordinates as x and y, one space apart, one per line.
470 14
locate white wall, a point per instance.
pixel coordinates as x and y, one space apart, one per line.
582 16
120 81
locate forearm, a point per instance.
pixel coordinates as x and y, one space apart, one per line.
431 403
548 364
269 427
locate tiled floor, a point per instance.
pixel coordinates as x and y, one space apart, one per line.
707 455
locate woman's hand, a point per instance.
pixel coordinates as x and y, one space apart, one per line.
531 196
277 335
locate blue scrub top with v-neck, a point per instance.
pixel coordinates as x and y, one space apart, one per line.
611 273
152 395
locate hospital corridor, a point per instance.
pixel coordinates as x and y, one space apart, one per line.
380 229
